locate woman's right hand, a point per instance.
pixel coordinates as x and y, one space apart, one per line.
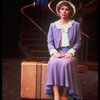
57 55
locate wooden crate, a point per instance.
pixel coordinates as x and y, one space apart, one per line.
33 75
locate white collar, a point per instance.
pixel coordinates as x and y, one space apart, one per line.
68 25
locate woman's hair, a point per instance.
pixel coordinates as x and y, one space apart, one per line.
68 4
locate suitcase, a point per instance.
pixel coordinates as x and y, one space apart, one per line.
33 75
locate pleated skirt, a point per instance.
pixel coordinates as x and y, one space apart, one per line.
63 72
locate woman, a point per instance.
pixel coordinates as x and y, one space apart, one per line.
64 41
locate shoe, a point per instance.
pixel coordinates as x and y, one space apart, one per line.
63 98
76 98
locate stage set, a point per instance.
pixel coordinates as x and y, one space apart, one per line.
25 56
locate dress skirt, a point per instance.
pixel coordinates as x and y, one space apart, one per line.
63 72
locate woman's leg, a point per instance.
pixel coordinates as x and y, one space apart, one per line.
64 95
56 92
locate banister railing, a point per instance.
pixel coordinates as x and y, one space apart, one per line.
85 35
22 11
84 48
89 3
49 6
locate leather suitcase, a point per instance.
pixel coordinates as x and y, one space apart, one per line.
33 75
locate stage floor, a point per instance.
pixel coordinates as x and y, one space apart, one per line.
11 79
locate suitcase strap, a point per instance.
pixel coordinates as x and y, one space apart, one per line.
38 79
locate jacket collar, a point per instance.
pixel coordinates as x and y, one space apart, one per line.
68 25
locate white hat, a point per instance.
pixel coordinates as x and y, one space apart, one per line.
64 1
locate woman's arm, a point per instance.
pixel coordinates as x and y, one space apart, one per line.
50 42
77 42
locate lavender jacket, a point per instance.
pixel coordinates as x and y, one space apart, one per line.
74 36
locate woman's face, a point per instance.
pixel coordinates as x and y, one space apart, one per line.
64 12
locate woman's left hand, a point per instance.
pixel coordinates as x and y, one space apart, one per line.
68 55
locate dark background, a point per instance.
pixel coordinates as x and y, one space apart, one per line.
10 26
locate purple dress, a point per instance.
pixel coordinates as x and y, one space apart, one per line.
61 71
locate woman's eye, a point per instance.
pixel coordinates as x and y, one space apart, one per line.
62 8
65 9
